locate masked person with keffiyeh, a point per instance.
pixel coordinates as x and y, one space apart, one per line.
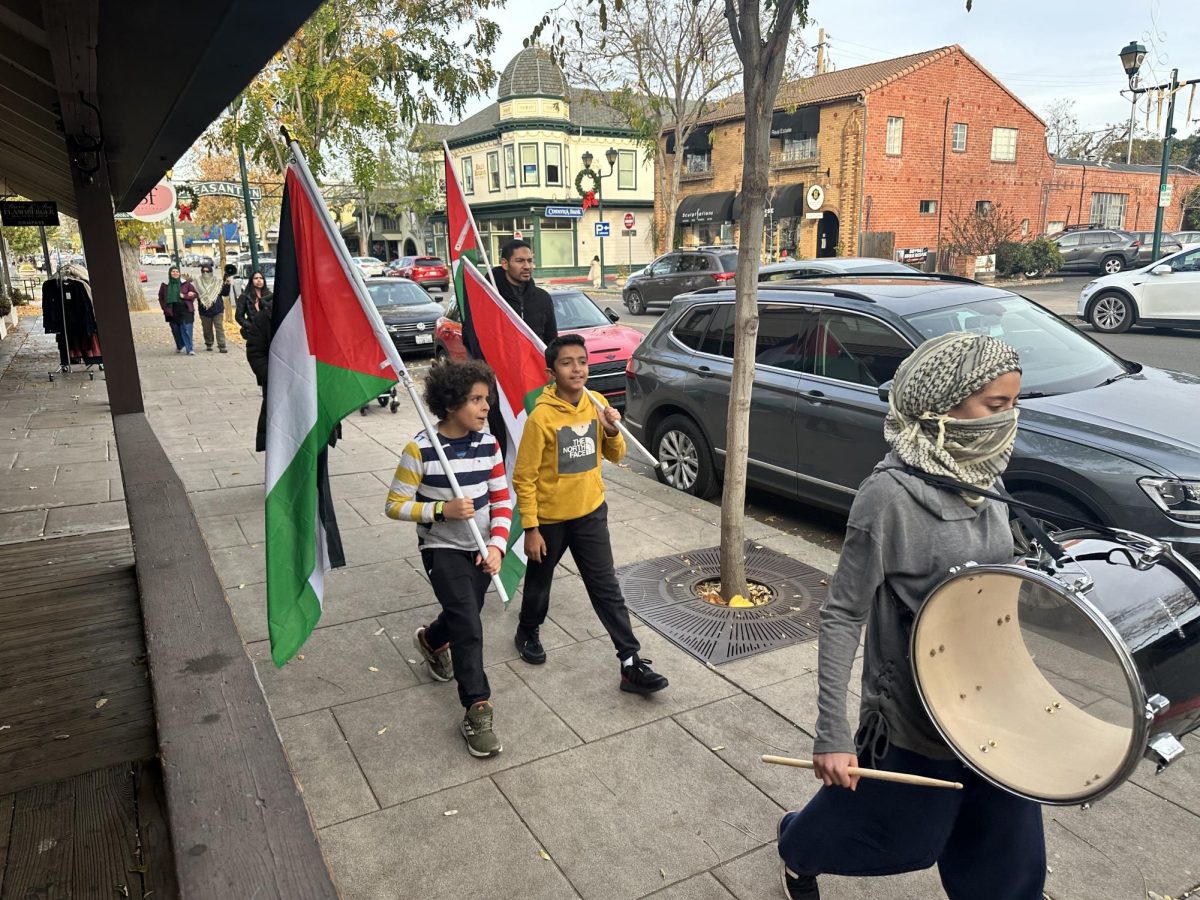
209 287
951 413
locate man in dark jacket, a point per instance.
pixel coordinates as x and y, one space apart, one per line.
514 280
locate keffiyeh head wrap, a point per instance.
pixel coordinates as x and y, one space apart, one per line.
939 375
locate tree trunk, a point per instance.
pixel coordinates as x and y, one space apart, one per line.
135 297
762 61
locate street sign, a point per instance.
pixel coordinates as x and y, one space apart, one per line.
601 229
564 212
224 189
517 236
629 232
23 213
157 205
815 197
1164 194
629 221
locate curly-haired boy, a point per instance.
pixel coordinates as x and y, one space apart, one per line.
458 394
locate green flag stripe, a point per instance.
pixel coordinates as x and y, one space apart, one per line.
293 608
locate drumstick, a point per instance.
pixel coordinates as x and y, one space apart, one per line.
877 774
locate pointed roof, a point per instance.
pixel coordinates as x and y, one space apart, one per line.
532 72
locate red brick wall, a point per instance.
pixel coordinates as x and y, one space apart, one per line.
1068 205
895 185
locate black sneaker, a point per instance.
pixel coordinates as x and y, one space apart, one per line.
796 887
639 678
529 646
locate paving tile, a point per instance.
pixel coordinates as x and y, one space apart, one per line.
571 609
745 729
72 473
773 666
499 626
249 605
619 813
244 564
1180 782
796 698
702 887
223 501
756 876
240 476
94 451
630 545
335 669
581 682
358 484
418 851
22 526
359 592
333 785
221 532
83 519
423 730
696 535
15 499
22 479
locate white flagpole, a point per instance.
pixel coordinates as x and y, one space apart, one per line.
389 348
487 271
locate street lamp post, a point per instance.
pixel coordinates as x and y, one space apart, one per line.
611 157
241 149
1132 55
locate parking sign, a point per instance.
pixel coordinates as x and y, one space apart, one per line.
601 229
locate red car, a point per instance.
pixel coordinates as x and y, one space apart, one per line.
427 271
609 345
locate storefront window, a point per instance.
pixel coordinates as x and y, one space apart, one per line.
558 244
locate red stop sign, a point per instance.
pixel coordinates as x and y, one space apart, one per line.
629 221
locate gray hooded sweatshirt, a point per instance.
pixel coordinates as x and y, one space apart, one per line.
902 539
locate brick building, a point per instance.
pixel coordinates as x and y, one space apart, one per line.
900 148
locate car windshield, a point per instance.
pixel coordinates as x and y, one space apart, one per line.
729 262
398 293
1055 357
574 309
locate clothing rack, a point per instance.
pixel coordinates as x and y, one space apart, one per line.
81 348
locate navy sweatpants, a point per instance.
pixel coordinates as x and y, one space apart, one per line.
987 844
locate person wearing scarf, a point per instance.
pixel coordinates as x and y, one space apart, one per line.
208 287
952 413
177 298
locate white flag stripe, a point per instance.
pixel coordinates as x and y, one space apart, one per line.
291 394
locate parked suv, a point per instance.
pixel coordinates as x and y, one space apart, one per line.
1100 438
1166 294
678 272
1097 249
427 271
1167 245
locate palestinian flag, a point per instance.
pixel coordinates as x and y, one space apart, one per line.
327 360
461 234
517 356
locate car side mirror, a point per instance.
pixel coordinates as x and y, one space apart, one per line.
1161 270
884 391
612 316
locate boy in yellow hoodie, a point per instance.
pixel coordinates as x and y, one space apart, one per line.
561 497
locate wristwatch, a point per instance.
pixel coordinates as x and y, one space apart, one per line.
439 511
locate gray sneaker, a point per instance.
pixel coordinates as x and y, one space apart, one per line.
441 666
477 729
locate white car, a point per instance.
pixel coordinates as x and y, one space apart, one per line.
161 259
1189 239
1164 294
371 267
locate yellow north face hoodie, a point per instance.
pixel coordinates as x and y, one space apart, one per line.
557 475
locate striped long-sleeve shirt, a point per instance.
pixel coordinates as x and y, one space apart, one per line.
420 482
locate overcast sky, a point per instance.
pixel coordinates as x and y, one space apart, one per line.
1040 49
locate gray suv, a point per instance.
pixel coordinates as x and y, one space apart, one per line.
1102 250
1100 438
676 273
1167 245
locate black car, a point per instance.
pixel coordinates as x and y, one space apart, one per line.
408 312
1100 438
831 265
677 273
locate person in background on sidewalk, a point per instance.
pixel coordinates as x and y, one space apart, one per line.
211 308
514 281
177 298
594 273
560 493
952 413
458 393
251 301
231 288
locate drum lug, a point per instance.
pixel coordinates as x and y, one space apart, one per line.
1163 750
954 570
1156 705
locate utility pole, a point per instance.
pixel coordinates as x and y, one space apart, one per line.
253 238
1163 188
820 51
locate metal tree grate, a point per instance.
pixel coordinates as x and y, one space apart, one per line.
661 592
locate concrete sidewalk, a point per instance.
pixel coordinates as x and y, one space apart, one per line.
598 794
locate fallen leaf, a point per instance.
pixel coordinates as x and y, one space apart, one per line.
240 586
381 730
101 702
299 656
412 662
717 748
663 873
737 601
5 727
61 737
450 812
544 855
380 631
372 668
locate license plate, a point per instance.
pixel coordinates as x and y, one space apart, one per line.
424 338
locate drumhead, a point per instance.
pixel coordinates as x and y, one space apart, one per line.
1029 683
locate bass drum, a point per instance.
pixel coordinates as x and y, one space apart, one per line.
1052 680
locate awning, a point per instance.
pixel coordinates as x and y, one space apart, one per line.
699 140
787 203
802 122
702 209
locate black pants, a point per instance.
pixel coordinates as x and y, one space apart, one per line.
987 844
587 539
459 585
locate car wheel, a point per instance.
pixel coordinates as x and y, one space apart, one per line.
685 459
1057 513
441 354
1112 265
1111 313
635 304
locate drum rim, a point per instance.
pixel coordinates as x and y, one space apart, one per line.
1141 724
